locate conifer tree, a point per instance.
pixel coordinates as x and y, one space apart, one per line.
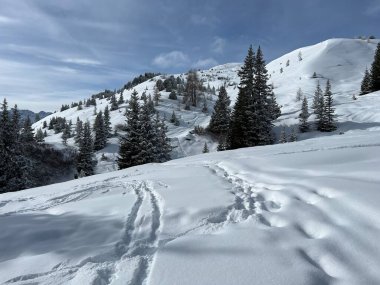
205 148
44 125
121 99
130 143
240 124
261 123
114 105
27 134
328 121
273 108
220 118
318 94
304 116
16 124
293 135
192 89
78 132
299 95
107 122
375 71
366 86
100 132
66 134
85 165
161 141
283 136
174 119
156 96
40 136
147 136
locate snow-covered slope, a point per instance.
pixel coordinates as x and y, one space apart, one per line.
343 61
300 213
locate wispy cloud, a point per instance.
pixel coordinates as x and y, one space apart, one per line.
7 20
82 61
218 45
205 63
171 59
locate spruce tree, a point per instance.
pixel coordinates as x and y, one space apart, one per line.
193 89
304 116
366 86
114 105
375 71
130 143
27 134
85 166
147 136
121 99
205 148
318 94
261 122
283 136
100 132
239 124
220 118
174 119
16 124
107 122
156 96
299 95
78 132
273 108
293 135
161 141
40 136
328 121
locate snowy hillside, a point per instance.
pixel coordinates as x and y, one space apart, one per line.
300 213
343 61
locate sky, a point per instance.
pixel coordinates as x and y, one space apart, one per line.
56 52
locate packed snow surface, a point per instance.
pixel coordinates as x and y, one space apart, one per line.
297 213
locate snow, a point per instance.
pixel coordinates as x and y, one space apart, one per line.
297 213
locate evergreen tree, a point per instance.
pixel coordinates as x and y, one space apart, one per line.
173 95
239 124
260 132
205 148
44 126
318 94
174 119
304 116
65 135
220 118
375 71
130 143
78 132
299 95
114 105
40 136
100 132
16 124
27 134
85 165
161 141
121 99
156 96
328 121
147 136
293 135
273 108
107 122
366 86
283 136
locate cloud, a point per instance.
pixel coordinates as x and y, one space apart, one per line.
7 20
218 45
171 59
205 63
82 61
373 9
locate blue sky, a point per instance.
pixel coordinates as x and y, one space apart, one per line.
54 52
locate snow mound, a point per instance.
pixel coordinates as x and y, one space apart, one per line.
299 213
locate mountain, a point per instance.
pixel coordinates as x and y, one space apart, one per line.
296 213
342 61
32 115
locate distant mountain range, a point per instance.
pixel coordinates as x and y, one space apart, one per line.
32 115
